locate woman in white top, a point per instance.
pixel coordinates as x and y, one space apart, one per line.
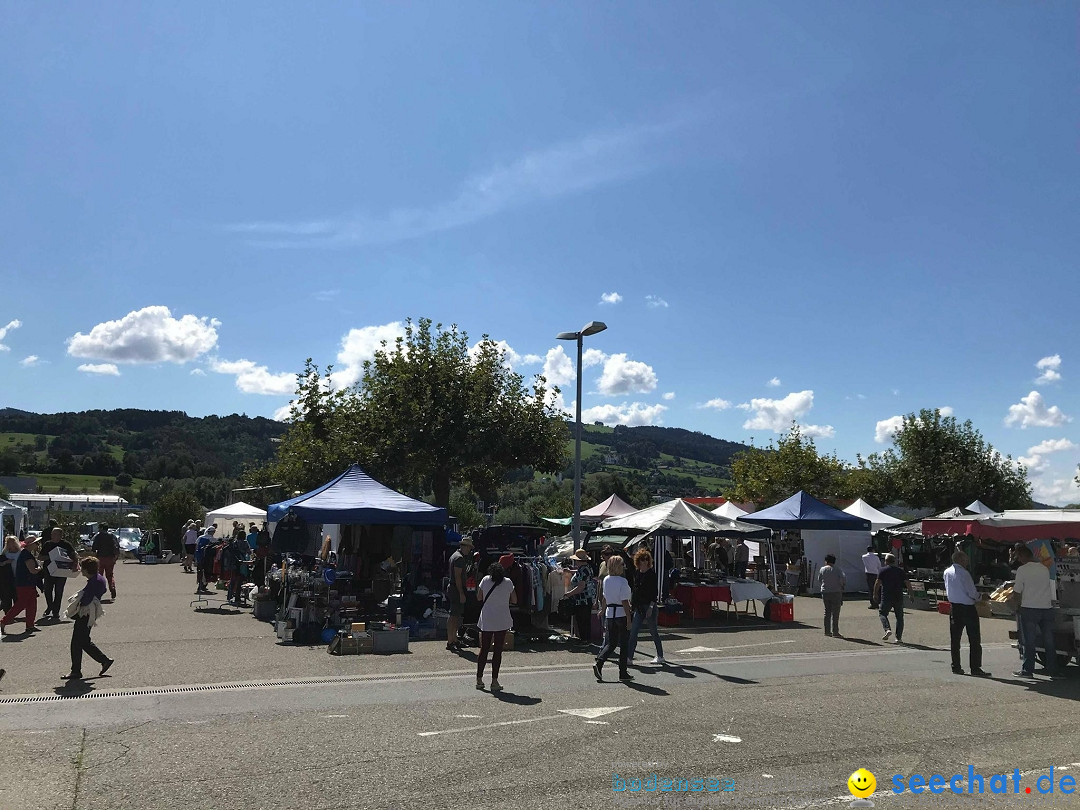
617 618
496 594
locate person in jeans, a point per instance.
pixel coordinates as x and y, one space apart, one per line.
889 584
833 584
643 603
872 566
27 571
617 611
1036 612
88 611
54 586
496 593
962 595
107 548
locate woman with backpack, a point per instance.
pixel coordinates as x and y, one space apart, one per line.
496 593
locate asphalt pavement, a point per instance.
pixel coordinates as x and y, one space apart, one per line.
208 710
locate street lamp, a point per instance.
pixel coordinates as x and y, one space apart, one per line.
591 328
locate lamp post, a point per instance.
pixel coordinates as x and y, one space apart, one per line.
591 328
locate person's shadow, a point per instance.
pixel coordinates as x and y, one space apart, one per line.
518 700
74 689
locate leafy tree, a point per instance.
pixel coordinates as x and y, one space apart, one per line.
463 507
939 462
768 475
172 511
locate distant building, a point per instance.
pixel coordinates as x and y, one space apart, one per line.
18 483
39 505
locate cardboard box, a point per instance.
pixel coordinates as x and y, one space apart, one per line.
982 607
359 627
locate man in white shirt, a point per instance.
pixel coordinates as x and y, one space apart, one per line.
872 565
1036 612
962 595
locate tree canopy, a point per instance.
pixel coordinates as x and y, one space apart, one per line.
767 475
429 411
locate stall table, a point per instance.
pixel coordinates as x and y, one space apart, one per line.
699 599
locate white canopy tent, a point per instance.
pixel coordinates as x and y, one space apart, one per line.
16 513
878 519
730 511
979 508
244 512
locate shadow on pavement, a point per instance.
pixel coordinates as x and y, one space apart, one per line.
862 641
74 689
640 687
517 700
688 670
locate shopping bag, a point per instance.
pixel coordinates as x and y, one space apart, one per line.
72 609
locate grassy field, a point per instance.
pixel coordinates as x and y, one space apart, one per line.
75 484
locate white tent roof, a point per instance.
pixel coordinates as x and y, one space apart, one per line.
979 508
612 507
729 511
235 511
673 516
877 518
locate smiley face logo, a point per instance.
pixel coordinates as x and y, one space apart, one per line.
862 784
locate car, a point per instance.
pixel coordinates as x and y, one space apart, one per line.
130 539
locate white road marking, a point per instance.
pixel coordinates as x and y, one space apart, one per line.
728 738
767 776
492 725
469 716
592 714
597 723
734 647
333 716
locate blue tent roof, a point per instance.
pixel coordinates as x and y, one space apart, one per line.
802 511
355 497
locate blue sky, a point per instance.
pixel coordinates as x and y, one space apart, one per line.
835 213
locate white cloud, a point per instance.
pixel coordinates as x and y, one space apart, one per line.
818 431
546 174
1055 491
100 368
624 376
252 378
31 360
1032 411
283 414
198 372
716 404
655 302
1036 460
361 344
630 414
558 368
592 357
670 395
777 414
1050 368
610 298
946 411
886 429
148 335
325 296
774 382
15 324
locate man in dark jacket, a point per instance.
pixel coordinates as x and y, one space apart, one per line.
232 559
54 585
107 549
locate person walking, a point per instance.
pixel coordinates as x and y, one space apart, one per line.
742 559
644 605
601 575
496 593
889 584
206 540
86 611
962 595
583 592
68 557
872 565
617 595
191 540
459 560
1036 612
833 584
11 552
233 560
107 548
26 575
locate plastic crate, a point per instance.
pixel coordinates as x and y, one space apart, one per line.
667 618
781 612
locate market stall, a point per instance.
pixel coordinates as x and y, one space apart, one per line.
388 564
240 512
15 514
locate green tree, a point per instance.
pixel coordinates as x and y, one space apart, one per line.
430 412
767 475
172 511
938 462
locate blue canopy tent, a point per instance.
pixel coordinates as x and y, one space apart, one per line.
357 498
823 531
